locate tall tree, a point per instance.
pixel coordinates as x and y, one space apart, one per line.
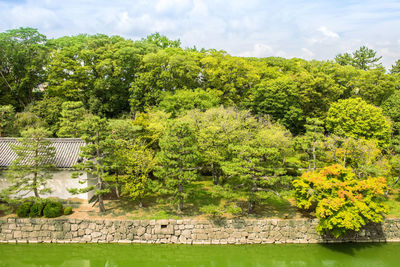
72 114
177 160
355 118
31 170
138 162
22 60
94 132
396 67
257 162
7 114
364 58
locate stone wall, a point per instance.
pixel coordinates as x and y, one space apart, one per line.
35 230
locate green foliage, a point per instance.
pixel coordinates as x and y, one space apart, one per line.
94 133
364 58
31 170
164 71
53 209
341 202
162 41
312 143
23 55
72 114
279 99
37 207
257 162
184 100
355 118
24 209
26 120
7 114
138 162
396 67
177 159
67 210
49 111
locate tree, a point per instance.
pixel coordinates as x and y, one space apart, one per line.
94 132
95 69
162 41
165 71
7 114
31 170
232 76
341 202
279 99
139 162
396 67
72 114
364 58
177 160
22 60
257 162
49 111
391 108
25 120
364 157
184 100
312 142
121 134
374 86
216 129
355 118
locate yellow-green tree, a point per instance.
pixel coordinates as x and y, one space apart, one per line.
341 202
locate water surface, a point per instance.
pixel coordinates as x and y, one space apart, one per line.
113 255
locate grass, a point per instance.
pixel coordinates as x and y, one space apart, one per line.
394 204
204 194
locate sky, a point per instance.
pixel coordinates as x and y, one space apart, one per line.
309 29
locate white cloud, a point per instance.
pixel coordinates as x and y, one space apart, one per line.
328 33
259 50
295 28
307 53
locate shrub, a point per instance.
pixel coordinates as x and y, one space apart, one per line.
24 209
67 210
53 209
37 208
341 202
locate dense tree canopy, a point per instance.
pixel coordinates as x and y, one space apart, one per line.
159 119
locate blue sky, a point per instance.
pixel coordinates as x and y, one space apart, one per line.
288 28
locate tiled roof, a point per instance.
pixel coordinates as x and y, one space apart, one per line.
67 151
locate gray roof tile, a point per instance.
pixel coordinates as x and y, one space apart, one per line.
67 151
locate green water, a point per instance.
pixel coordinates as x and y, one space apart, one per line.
112 255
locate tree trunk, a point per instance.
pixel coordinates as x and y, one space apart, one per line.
101 204
314 158
180 205
215 176
116 186
252 203
140 203
34 185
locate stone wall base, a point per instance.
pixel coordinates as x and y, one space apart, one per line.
38 230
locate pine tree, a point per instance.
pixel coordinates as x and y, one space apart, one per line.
71 115
177 158
94 131
31 170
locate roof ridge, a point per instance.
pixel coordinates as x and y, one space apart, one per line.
51 139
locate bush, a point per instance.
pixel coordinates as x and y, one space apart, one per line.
24 209
37 208
53 209
341 202
67 210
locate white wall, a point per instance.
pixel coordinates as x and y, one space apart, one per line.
59 184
